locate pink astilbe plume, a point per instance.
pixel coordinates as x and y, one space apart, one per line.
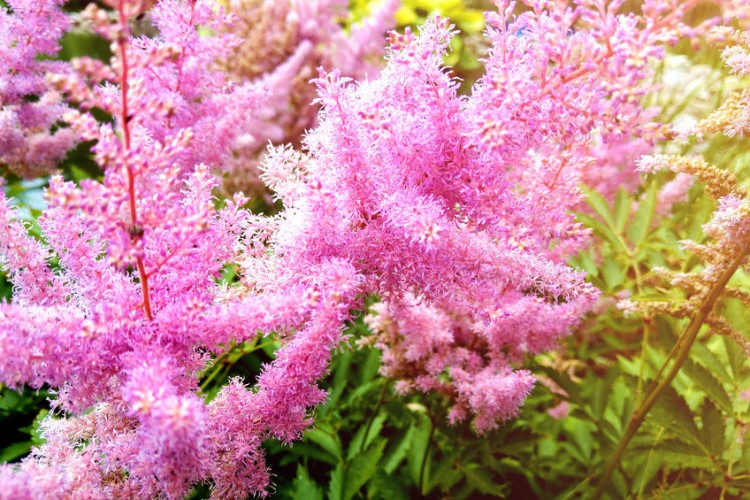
125 320
282 44
29 110
404 179
454 211
457 210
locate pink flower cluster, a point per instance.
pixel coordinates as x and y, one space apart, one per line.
454 210
492 179
281 45
29 110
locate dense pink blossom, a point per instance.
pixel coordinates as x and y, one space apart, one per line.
124 323
453 210
282 43
409 181
29 110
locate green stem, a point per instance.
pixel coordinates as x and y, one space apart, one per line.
644 346
229 357
686 342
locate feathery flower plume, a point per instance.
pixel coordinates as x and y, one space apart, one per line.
31 138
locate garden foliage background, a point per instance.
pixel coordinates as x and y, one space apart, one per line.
608 137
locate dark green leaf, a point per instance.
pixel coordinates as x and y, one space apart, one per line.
482 481
362 468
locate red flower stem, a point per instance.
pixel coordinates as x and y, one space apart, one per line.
125 120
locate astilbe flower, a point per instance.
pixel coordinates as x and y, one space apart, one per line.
434 202
122 324
731 118
479 188
408 182
283 42
728 231
29 110
588 67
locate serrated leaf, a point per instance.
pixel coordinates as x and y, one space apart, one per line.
585 261
671 410
674 454
372 429
736 356
395 456
704 356
602 389
600 229
336 485
369 367
420 442
482 481
304 487
713 429
708 383
383 486
339 380
362 468
309 450
613 273
439 470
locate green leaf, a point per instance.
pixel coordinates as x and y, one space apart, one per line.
384 486
585 261
600 206
339 380
708 383
396 455
15 451
439 471
671 410
304 487
336 486
369 368
736 356
373 430
675 454
712 432
309 450
621 210
328 441
36 437
613 273
420 442
639 226
482 481
710 361
601 230
362 468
